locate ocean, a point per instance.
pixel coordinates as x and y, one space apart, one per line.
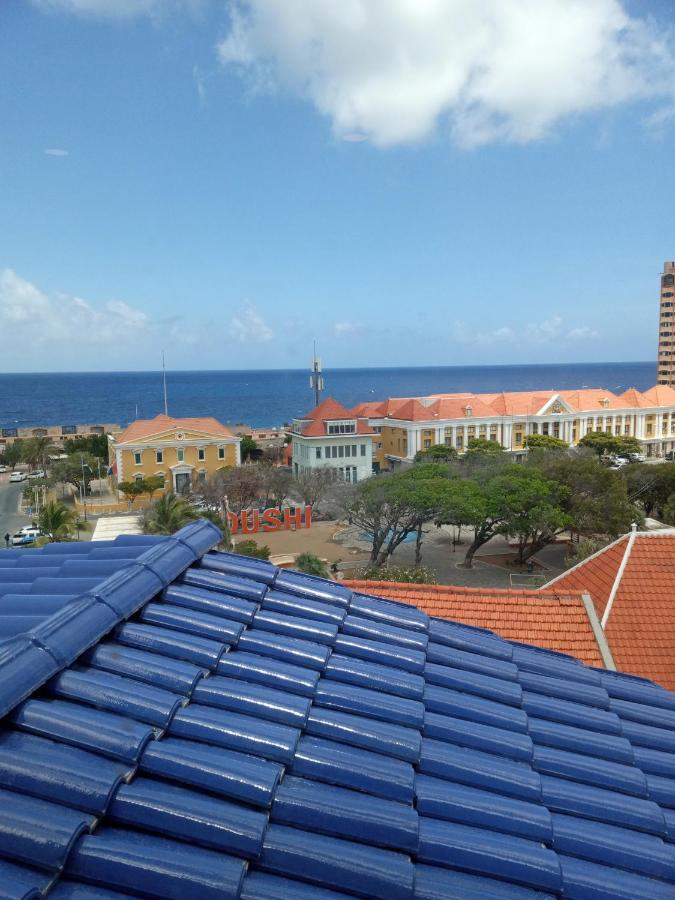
272 397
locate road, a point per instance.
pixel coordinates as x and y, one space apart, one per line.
10 519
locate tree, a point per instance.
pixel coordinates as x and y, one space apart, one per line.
597 500
481 446
277 483
152 484
311 565
12 454
131 489
248 448
37 450
669 510
168 514
545 442
436 453
517 500
651 486
77 470
602 443
463 506
313 485
92 445
383 508
235 486
57 521
426 496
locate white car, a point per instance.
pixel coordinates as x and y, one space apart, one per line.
38 473
17 476
31 529
3 468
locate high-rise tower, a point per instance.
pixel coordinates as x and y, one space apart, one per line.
666 365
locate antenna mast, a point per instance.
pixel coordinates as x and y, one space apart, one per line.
166 405
316 378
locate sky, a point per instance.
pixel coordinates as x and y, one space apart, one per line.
407 182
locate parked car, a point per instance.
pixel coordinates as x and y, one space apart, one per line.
31 529
617 462
635 457
17 476
3 468
20 539
38 473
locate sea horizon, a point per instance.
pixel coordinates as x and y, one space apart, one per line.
270 397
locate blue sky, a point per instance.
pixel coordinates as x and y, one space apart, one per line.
410 182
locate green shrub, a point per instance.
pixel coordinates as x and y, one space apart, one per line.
250 548
311 565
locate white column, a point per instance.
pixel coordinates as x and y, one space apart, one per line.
440 437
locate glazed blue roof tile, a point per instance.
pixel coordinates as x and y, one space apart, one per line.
179 722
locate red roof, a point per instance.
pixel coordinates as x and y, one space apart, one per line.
330 410
549 619
640 627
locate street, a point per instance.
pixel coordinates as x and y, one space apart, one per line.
10 519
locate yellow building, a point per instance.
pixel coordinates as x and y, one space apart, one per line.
181 451
404 426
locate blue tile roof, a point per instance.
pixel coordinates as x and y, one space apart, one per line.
179 722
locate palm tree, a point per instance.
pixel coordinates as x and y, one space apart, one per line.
57 521
37 450
169 514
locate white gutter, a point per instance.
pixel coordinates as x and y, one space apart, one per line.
619 575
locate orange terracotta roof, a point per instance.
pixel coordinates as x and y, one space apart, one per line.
512 403
146 428
633 399
549 619
329 409
640 628
660 395
372 409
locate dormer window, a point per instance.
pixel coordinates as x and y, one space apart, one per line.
468 411
341 427
604 402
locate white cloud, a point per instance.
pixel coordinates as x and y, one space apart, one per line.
30 318
529 334
392 70
55 151
582 333
249 326
347 329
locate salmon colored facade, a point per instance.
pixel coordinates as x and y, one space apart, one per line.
181 451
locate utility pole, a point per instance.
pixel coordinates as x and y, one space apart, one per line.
166 405
316 378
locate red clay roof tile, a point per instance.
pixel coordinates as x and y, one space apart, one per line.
552 620
640 627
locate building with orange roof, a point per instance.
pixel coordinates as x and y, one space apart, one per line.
565 622
180 451
406 425
331 436
632 585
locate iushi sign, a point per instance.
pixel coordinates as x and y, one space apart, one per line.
250 521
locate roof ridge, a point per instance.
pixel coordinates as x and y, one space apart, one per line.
28 660
619 575
583 562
